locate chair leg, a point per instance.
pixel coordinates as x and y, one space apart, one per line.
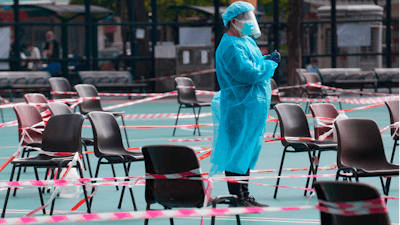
276 127
383 185
18 175
27 155
87 160
40 190
312 167
387 186
88 204
306 108
146 221
177 118
197 120
2 116
393 151
114 174
130 189
315 169
126 133
54 200
280 172
340 105
308 179
95 176
3 213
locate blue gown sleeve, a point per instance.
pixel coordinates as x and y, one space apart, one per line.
243 69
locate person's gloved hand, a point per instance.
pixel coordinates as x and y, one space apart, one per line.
275 56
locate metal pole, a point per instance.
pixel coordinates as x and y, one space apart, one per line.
88 32
132 39
388 34
16 36
333 33
153 40
276 35
217 34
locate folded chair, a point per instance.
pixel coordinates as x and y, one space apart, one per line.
393 107
315 92
36 98
108 146
57 108
293 124
187 99
361 152
87 106
62 134
331 192
172 193
324 110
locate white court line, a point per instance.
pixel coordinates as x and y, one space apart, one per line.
265 219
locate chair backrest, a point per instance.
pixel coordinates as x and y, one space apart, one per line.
88 90
27 116
63 133
292 120
60 84
359 143
312 78
57 108
274 98
36 98
393 107
299 72
334 191
172 159
106 133
325 110
185 94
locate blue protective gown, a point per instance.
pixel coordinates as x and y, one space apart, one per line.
240 109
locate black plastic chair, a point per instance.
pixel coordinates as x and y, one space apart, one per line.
36 98
187 99
315 92
60 84
293 123
108 145
62 134
172 193
325 110
87 106
334 191
361 152
27 116
274 100
56 109
393 107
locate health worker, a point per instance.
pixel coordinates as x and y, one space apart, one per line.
240 108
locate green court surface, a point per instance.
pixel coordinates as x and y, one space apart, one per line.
106 199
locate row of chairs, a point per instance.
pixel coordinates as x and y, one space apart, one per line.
360 151
109 149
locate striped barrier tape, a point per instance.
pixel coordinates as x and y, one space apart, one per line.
162 126
353 208
149 214
172 93
178 75
4 100
185 87
319 85
161 116
200 92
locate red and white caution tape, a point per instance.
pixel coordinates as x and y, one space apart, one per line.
178 75
150 214
161 116
172 93
353 208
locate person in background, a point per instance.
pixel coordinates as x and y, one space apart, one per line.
52 48
33 53
312 67
240 109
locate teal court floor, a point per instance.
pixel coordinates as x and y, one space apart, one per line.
106 199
